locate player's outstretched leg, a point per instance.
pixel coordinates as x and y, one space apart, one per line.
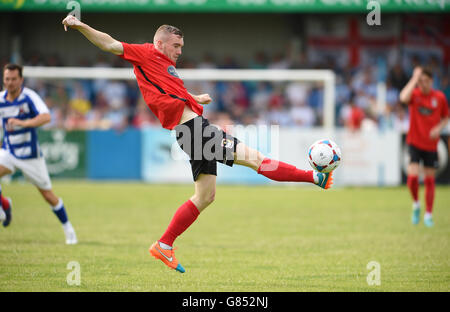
186 214
60 211
6 209
278 170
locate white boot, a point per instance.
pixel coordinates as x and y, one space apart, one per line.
69 231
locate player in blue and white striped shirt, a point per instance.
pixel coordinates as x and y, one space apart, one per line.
21 112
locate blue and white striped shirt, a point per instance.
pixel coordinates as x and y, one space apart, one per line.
21 142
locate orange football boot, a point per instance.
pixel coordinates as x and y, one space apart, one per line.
166 256
325 179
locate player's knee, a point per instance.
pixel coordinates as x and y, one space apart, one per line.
413 169
208 198
259 159
212 196
256 161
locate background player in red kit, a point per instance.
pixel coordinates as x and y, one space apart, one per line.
176 108
428 113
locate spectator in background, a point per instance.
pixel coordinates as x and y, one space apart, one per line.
445 87
144 117
60 97
260 98
56 114
276 100
96 117
352 115
229 63
436 68
279 61
391 94
223 121
299 61
397 77
259 61
53 60
236 100
315 98
277 115
117 115
76 119
207 62
79 106
100 84
401 120
115 91
303 115
297 93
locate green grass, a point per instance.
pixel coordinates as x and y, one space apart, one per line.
270 238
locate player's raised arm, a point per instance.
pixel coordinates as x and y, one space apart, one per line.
98 38
405 94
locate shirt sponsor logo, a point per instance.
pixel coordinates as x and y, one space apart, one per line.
172 71
227 143
425 111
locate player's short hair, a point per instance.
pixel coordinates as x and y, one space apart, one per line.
168 29
11 66
428 72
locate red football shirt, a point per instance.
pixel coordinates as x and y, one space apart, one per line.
160 85
425 112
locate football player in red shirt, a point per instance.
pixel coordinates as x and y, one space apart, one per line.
176 108
428 114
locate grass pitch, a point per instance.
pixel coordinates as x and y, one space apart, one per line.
265 238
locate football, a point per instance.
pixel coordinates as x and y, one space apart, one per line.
324 155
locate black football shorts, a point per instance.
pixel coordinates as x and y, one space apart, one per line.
206 145
430 159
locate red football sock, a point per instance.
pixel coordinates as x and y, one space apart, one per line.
429 193
5 203
280 171
413 185
183 218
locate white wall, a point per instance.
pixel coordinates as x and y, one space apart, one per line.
368 158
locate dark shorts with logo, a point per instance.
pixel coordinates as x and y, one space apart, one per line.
206 145
430 159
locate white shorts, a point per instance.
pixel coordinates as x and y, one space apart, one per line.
35 170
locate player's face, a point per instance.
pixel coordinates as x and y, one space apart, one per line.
425 83
172 47
12 81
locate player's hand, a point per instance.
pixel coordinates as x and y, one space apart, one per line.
417 72
434 133
71 21
14 122
203 99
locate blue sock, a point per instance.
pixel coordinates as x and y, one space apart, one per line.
60 212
